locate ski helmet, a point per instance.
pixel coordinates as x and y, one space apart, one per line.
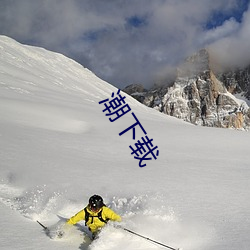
96 202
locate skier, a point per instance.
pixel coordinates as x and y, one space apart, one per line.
95 214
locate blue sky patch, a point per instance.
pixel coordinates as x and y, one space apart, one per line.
219 17
136 21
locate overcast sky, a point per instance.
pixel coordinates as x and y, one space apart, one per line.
131 41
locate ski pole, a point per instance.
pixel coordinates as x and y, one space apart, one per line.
146 238
45 228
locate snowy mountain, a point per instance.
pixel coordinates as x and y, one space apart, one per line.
58 148
237 81
201 95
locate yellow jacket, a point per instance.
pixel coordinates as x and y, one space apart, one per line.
94 223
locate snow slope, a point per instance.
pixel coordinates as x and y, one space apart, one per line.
57 148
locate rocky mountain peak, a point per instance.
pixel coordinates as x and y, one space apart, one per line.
196 64
200 96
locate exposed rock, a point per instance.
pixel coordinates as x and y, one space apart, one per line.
201 97
237 81
137 91
134 88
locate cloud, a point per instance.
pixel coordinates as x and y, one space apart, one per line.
233 49
121 41
228 28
